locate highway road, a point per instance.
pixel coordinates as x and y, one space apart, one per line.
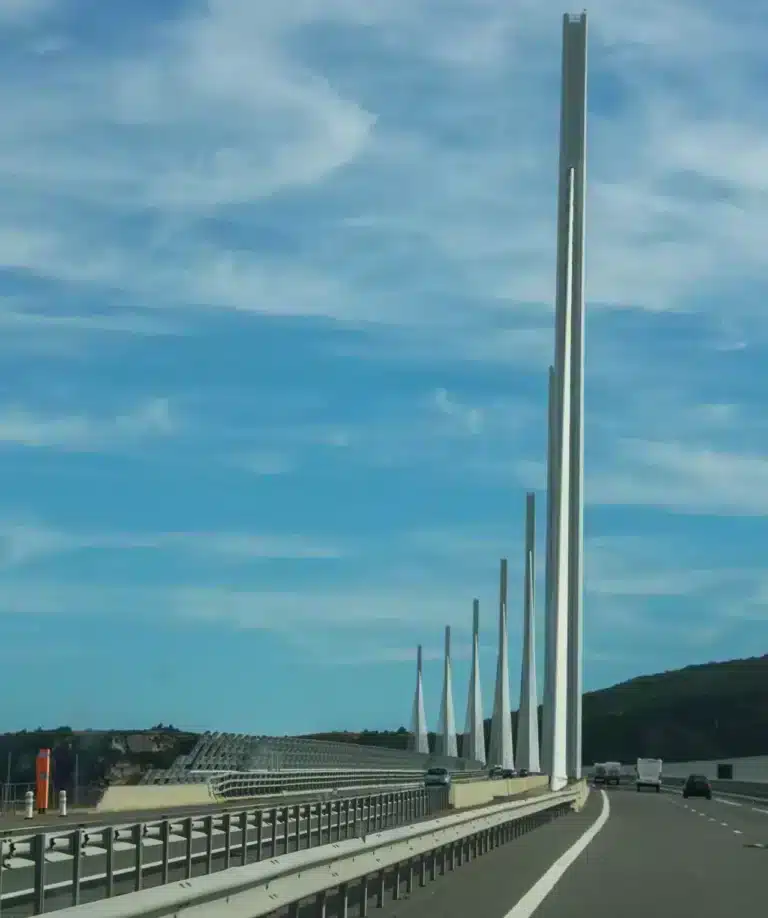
651 854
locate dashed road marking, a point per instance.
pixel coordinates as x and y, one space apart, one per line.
757 809
728 802
737 832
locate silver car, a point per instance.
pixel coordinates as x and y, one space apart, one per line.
437 777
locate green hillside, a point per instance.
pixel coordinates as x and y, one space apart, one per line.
705 711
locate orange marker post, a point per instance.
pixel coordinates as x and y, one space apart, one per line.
43 779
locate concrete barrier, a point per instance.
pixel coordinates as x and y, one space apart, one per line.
583 789
154 796
477 793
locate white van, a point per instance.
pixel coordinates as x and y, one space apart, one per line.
649 774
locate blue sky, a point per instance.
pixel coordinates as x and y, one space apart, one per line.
276 286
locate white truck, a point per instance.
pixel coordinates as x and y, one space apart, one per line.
648 774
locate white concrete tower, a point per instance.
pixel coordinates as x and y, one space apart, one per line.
527 745
446 730
474 734
549 644
568 370
419 740
575 131
501 751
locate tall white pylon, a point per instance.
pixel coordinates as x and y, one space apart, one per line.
549 576
527 747
501 752
446 731
474 733
564 655
419 736
575 124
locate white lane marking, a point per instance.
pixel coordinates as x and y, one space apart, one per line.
728 802
546 883
737 832
757 809
724 824
712 819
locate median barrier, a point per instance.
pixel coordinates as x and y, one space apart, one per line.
140 797
478 793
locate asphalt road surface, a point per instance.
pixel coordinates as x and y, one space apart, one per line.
655 854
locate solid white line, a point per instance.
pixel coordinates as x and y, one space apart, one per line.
545 884
758 810
727 802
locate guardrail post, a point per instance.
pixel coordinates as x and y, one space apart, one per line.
432 865
396 890
330 820
39 844
344 900
423 871
286 828
347 826
77 857
165 835
381 889
227 824
319 823
137 834
273 819
321 903
409 878
243 838
259 833
188 847
297 834
208 829
109 844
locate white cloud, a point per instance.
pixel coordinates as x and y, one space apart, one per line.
152 418
230 106
685 479
14 13
468 419
25 542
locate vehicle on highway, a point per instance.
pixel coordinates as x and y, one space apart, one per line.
498 772
612 773
648 774
437 777
600 774
697 786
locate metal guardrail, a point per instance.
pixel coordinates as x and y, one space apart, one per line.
48 871
268 784
391 857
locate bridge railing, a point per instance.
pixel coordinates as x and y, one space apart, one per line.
257 784
368 862
57 869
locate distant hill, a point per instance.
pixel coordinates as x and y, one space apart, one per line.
91 757
705 711
708 711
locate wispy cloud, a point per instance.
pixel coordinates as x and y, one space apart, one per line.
23 543
150 419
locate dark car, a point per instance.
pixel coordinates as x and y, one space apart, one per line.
697 786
